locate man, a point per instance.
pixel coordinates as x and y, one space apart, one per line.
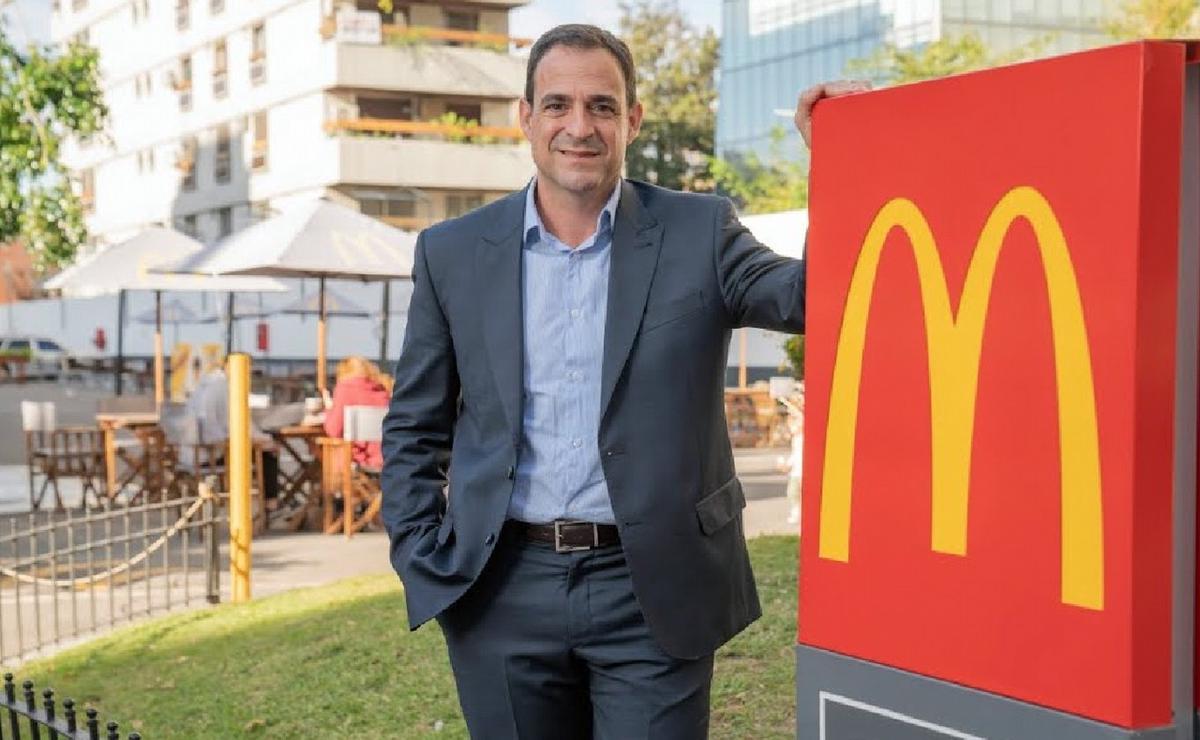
562 371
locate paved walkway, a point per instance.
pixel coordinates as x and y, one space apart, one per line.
285 561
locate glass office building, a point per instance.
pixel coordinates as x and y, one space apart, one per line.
773 49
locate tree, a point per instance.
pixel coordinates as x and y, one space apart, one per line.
756 186
44 98
950 55
1155 19
675 65
793 347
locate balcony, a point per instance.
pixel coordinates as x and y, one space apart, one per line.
431 35
446 70
372 152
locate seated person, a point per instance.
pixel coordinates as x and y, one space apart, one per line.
359 383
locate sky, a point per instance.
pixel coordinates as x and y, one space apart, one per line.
26 20
541 15
31 18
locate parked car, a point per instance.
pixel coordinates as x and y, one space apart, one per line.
33 356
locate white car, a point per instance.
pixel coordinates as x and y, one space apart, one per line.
41 356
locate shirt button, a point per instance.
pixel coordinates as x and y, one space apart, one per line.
510 472
575 313
576 375
577 443
491 539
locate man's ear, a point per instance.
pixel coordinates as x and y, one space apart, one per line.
635 120
525 116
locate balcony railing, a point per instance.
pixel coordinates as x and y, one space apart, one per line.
426 34
429 128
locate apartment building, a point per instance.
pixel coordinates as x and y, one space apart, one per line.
223 111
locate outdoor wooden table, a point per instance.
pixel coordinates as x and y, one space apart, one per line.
300 443
110 423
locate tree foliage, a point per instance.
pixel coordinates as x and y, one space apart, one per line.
793 347
1155 19
755 185
675 64
44 97
892 64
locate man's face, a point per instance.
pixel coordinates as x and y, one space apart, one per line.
578 124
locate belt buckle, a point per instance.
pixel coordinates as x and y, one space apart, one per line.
558 537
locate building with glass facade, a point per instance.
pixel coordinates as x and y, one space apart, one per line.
773 49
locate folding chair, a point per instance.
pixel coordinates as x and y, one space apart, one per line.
53 453
357 485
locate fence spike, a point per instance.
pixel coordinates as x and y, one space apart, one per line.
112 731
69 712
93 724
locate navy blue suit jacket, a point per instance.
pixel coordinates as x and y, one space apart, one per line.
684 273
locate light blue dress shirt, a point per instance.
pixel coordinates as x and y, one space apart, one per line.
565 303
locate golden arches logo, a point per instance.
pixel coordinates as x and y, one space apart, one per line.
953 344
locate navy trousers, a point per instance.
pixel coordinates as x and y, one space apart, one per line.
549 645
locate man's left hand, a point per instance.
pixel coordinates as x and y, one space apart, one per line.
810 97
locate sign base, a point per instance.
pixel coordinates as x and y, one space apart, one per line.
843 698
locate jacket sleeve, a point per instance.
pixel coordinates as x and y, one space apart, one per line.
335 414
418 429
760 287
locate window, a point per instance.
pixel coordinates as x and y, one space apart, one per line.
18 345
216 6
141 10
186 162
189 225
258 53
181 80
382 205
461 20
392 109
78 4
466 111
457 205
225 219
258 155
220 64
183 14
45 345
221 170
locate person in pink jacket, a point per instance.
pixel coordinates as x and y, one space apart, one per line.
359 383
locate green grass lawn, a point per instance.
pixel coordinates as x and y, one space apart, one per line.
338 661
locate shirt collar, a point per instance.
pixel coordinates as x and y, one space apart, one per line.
534 229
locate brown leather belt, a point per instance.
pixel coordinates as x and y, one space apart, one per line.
568 536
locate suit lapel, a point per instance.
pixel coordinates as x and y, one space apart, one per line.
637 238
498 281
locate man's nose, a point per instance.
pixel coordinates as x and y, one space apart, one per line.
579 123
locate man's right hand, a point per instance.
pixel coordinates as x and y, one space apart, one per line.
809 98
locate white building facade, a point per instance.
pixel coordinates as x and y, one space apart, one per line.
223 111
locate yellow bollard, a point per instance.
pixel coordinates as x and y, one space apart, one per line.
239 475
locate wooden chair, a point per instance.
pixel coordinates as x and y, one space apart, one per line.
357 486
53 453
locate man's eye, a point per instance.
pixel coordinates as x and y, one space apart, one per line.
604 108
556 106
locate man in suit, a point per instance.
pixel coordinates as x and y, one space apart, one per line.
563 372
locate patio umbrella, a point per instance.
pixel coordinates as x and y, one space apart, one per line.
130 265
173 312
317 239
335 305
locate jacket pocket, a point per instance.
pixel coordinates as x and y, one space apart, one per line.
720 507
671 309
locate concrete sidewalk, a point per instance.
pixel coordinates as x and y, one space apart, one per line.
286 561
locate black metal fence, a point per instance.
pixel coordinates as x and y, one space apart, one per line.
24 712
66 575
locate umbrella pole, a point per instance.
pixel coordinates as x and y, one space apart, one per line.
229 325
158 350
321 336
383 338
120 359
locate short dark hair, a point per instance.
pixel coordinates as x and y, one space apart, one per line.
583 36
